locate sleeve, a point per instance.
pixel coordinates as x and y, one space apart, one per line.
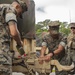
10 17
44 42
63 41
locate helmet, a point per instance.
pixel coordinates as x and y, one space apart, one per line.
54 23
22 4
72 24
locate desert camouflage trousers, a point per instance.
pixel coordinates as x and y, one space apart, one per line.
5 60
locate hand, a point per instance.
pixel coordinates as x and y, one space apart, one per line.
20 44
48 57
41 59
20 50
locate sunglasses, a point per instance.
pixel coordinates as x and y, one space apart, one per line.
72 28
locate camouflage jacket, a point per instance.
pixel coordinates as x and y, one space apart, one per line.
4 10
52 44
7 13
71 46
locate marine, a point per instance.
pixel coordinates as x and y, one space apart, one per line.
71 46
8 30
54 41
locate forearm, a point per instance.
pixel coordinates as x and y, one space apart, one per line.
14 32
17 38
43 50
58 50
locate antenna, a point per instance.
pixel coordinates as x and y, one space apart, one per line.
70 15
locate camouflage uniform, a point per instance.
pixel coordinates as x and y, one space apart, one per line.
52 45
71 47
7 13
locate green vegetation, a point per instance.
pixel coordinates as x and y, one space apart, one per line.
43 27
64 28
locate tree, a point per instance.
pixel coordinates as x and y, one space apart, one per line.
42 26
64 28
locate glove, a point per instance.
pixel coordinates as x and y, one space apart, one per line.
20 49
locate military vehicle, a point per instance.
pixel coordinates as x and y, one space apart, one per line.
30 64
